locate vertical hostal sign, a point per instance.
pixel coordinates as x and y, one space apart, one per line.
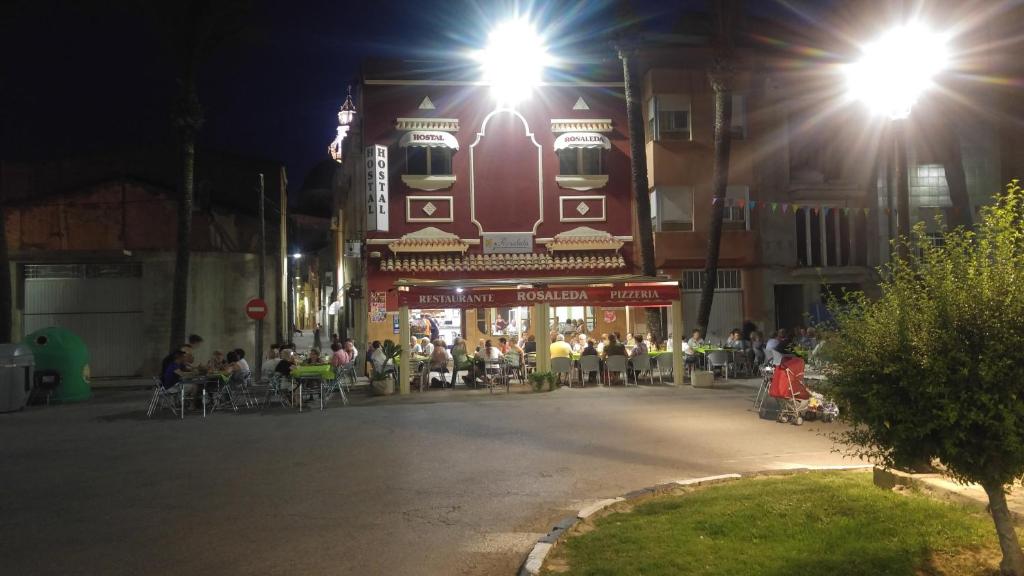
377 188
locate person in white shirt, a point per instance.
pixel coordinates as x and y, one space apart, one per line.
695 340
426 347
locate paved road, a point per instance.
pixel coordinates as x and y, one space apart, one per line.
441 483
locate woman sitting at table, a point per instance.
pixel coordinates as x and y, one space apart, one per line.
438 363
531 345
695 341
503 345
216 362
313 357
339 357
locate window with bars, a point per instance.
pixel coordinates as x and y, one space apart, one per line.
668 117
76 271
729 279
828 237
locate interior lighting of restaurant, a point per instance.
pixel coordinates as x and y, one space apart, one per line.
296 255
513 61
895 69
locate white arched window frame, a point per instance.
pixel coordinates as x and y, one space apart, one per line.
581 150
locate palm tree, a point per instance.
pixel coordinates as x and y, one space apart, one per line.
195 31
626 46
721 74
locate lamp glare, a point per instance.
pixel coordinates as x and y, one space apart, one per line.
513 61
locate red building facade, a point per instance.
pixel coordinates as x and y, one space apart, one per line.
457 189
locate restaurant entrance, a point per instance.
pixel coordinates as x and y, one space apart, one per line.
493 311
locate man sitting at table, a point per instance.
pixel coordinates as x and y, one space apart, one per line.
560 348
695 340
313 357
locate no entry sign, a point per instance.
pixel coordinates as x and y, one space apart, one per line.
256 309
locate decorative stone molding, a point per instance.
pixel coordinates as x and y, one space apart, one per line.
429 239
581 125
584 239
502 262
445 124
428 183
582 182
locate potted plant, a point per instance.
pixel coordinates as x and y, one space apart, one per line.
539 378
382 376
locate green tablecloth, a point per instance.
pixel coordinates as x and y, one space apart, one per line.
651 353
322 371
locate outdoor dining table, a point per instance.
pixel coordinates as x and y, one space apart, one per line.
203 379
319 372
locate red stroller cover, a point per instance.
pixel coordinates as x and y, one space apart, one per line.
789 372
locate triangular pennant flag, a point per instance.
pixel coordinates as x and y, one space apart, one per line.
796 208
752 204
581 104
426 104
846 211
827 208
741 203
775 206
714 200
866 210
815 209
785 207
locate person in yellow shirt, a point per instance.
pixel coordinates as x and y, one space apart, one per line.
560 348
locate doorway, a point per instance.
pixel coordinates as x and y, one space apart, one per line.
789 305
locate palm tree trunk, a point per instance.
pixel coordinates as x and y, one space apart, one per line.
641 187
721 83
179 305
956 180
1013 558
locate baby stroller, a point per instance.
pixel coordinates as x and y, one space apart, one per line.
788 388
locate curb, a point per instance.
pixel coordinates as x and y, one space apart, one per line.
535 560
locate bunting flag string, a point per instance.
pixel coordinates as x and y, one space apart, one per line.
818 209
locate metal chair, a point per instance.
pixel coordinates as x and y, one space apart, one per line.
660 360
222 392
767 372
514 366
530 363
336 385
616 364
588 365
495 374
642 363
163 398
274 388
245 388
562 366
718 359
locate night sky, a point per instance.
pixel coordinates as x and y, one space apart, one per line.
83 77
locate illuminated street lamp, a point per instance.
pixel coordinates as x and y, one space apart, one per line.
513 61
345 116
891 75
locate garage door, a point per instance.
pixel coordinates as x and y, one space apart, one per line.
726 308
101 303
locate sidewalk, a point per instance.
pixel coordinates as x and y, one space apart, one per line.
943 487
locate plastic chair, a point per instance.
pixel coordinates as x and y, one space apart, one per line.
642 363
562 366
514 366
616 364
588 365
718 359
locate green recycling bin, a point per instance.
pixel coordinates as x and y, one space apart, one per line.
60 350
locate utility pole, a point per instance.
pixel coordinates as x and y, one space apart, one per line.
262 272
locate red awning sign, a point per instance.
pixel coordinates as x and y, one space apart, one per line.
564 296
256 309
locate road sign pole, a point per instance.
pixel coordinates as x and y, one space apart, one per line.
262 273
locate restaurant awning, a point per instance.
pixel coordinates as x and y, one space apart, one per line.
429 139
582 140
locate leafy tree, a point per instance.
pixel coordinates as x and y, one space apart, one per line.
934 367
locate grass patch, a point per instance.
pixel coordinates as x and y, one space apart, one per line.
824 523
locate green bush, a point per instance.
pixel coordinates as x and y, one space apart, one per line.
934 367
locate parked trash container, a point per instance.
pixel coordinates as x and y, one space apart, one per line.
16 367
61 351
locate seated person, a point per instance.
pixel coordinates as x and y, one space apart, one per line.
243 364
639 346
757 346
415 347
426 347
489 354
735 341
531 344
313 357
695 341
613 348
689 355
174 371
438 362
376 357
216 362
503 345
285 365
339 357
560 348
